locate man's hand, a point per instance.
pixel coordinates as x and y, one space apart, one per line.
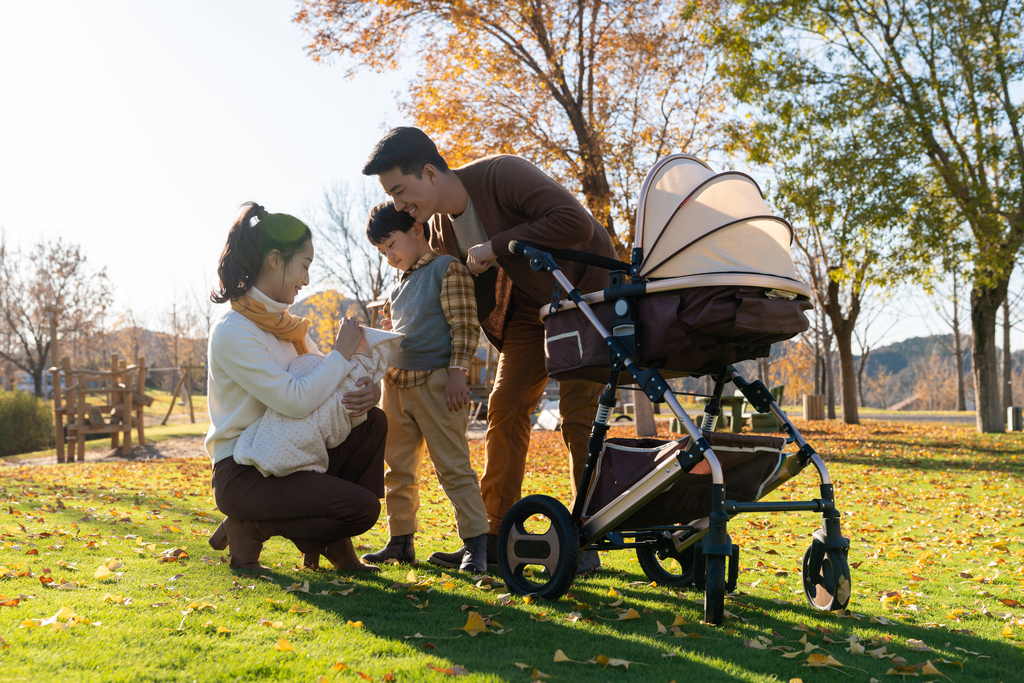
456 395
480 258
385 324
359 401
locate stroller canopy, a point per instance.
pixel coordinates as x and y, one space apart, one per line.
708 228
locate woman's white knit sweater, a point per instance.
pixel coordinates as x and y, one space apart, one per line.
248 373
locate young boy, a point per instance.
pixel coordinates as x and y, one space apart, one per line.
425 395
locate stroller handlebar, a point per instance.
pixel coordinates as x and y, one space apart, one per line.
527 249
539 260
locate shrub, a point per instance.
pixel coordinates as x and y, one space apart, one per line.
26 423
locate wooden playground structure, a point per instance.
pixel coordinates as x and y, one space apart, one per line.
118 416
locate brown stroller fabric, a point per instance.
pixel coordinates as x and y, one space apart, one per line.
748 463
695 330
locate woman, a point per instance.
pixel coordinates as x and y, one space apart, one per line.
262 268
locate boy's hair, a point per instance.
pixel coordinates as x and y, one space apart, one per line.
385 219
407 148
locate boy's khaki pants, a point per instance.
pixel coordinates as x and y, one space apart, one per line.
418 417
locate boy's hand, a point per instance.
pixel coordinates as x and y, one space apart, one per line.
385 324
456 395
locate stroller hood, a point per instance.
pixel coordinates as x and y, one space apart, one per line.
692 222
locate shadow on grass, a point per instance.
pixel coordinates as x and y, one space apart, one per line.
705 653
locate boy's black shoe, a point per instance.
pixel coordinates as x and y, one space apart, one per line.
455 560
399 548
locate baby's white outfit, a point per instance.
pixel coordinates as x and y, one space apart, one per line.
278 445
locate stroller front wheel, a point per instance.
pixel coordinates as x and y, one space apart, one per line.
827 585
539 533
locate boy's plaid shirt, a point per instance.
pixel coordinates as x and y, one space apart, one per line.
459 305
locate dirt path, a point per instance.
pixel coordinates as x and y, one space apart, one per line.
182 447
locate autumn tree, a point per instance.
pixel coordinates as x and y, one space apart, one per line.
944 73
52 273
593 91
342 251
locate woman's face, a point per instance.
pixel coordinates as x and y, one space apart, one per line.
281 280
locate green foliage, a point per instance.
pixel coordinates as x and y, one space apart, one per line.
26 422
927 90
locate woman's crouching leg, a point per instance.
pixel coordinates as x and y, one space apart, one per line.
310 509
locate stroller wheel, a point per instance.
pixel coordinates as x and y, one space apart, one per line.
665 566
714 590
829 587
538 532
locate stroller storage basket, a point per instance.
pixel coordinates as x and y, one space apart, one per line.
748 462
695 330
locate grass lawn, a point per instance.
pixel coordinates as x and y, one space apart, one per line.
107 576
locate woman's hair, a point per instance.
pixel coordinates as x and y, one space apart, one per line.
254 234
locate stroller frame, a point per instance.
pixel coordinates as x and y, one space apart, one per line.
704 544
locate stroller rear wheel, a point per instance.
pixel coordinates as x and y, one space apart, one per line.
538 532
714 590
829 587
664 565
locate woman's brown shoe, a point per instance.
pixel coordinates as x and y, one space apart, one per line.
219 538
245 540
343 556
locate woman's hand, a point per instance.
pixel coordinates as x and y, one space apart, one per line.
480 258
359 401
349 336
385 324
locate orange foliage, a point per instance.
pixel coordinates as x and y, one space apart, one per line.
795 369
593 92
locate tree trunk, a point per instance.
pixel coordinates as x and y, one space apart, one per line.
1007 358
829 384
643 411
37 380
847 375
860 375
985 302
961 392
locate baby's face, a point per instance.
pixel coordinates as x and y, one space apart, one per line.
363 349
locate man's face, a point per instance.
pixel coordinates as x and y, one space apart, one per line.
416 196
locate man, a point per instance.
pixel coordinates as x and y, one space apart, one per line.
473 212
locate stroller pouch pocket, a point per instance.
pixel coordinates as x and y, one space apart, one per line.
564 350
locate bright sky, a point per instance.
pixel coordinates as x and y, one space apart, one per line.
137 128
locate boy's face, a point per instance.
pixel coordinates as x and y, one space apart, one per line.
416 196
404 249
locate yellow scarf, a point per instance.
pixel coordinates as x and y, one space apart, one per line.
281 325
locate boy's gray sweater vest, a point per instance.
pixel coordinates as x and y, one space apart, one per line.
416 311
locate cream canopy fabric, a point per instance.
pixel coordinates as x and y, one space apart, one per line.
701 226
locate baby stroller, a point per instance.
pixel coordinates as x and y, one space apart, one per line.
711 284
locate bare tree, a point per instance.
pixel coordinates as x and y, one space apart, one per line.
344 254
948 303
866 333
1013 316
53 273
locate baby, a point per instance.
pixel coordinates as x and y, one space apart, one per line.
278 445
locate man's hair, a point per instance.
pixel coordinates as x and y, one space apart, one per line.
407 148
384 220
